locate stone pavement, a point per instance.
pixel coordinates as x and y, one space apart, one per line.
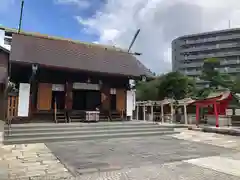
189 155
234 131
220 140
151 158
170 171
32 161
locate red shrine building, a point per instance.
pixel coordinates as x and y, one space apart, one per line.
216 105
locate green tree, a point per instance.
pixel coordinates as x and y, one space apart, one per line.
176 85
216 79
147 90
210 71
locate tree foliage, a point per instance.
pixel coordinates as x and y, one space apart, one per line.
147 90
171 85
217 79
176 85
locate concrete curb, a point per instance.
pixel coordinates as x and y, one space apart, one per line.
225 131
173 125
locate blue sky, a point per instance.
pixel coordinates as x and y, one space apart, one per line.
53 17
114 22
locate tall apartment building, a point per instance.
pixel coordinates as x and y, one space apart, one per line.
190 51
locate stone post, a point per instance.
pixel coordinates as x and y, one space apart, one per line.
144 113
185 114
171 104
152 112
162 113
137 112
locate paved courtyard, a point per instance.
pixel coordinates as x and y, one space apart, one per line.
189 155
165 157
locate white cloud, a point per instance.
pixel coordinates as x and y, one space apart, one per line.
160 22
83 4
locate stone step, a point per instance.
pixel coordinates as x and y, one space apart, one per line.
79 128
84 137
235 122
81 132
77 124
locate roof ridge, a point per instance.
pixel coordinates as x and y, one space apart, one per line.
45 36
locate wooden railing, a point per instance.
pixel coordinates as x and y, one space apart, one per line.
12 107
12 110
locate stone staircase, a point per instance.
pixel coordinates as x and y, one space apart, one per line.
50 132
61 117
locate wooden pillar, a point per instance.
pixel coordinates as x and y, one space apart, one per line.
162 113
2 103
216 114
105 98
197 114
137 112
185 114
152 112
144 113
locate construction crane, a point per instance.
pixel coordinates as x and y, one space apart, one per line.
133 41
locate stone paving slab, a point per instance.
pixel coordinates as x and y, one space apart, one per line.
218 163
189 155
226 141
233 131
105 156
29 161
171 171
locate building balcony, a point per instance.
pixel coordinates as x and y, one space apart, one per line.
211 47
211 39
191 65
230 62
192 73
216 55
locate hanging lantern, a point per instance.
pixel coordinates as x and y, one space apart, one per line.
34 68
100 83
88 80
144 78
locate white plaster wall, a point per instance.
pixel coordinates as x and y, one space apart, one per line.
222 120
2 35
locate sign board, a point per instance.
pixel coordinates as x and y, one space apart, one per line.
58 87
134 99
229 112
237 111
23 103
86 86
112 91
129 103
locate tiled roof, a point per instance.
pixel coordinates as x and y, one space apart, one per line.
51 51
